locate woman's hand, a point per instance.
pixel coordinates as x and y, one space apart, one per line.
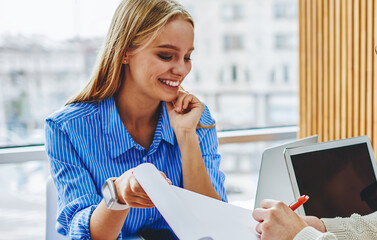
314 222
185 112
277 221
131 193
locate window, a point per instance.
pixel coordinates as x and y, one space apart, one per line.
231 12
287 41
272 76
280 75
234 73
286 10
247 76
286 73
233 42
282 108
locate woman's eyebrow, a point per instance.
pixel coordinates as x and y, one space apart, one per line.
169 46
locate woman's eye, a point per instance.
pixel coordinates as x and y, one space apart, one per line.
165 57
187 58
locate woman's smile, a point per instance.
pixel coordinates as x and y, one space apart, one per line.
170 83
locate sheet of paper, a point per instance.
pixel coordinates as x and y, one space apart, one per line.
177 215
222 220
194 216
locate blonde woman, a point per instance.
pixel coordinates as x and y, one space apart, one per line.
132 111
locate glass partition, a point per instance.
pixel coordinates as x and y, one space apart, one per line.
23 200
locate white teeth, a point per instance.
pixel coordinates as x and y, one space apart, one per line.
170 83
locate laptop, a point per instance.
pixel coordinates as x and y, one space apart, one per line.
339 177
273 181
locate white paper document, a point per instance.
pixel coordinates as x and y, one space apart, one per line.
194 216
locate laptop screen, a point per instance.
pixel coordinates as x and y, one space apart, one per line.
340 181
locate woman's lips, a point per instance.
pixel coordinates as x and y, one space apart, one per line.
171 83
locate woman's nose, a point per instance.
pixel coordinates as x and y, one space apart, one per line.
181 68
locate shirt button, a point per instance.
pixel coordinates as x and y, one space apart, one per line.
144 159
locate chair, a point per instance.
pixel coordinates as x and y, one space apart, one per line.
51 208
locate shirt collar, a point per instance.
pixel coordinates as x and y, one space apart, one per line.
167 132
117 137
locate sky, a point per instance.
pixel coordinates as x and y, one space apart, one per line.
56 19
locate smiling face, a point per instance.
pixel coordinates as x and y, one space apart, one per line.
157 70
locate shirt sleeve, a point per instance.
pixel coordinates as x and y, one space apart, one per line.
77 193
354 227
309 233
209 147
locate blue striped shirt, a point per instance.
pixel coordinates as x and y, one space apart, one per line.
87 143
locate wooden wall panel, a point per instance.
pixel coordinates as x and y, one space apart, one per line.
343 71
350 83
326 74
320 91
356 69
338 80
369 69
374 73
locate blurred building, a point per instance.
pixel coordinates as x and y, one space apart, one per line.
246 61
245 68
37 77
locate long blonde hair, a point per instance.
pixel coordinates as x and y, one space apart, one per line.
134 24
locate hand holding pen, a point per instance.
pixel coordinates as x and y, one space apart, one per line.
299 202
276 220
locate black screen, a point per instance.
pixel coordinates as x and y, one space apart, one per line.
339 181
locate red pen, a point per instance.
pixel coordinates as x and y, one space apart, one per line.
299 202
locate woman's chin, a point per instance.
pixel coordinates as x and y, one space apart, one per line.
170 97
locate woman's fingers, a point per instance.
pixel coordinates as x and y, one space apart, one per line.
166 178
268 203
259 214
137 201
134 194
136 188
258 228
136 197
139 205
187 100
179 101
183 101
129 191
